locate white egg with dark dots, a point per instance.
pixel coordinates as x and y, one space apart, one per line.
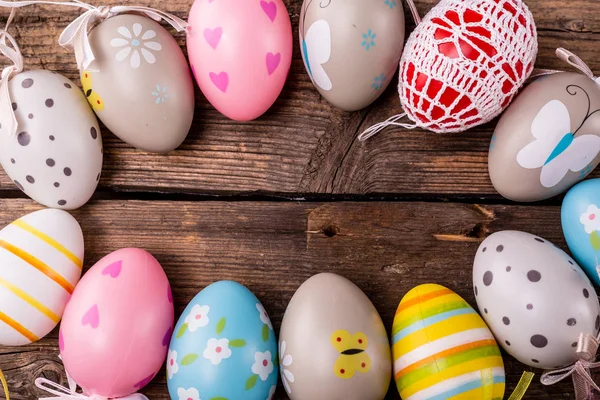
55 155
534 297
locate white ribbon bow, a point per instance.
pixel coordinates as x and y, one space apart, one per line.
75 35
12 52
70 393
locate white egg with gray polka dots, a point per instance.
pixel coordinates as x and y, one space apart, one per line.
534 297
55 156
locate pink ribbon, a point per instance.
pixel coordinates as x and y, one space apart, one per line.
587 347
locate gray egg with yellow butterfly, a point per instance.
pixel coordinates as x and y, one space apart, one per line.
139 83
351 48
548 139
333 344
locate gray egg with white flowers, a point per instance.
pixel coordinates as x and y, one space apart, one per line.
534 298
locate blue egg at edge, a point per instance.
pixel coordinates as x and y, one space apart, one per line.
580 217
223 347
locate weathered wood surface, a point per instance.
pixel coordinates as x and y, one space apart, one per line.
272 247
301 148
303 145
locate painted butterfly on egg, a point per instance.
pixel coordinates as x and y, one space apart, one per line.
556 149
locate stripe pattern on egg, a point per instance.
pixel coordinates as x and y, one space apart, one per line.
41 257
442 349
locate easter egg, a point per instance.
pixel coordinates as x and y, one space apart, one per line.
115 330
351 49
580 219
41 256
140 85
55 156
534 297
442 349
240 53
548 139
332 343
465 61
223 347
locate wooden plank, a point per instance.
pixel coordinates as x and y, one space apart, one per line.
304 145
272 247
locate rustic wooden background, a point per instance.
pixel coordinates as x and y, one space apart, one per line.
273 201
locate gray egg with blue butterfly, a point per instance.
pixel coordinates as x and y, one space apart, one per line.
351 48
534 298
548 139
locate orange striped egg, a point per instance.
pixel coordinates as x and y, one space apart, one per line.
443 350
41 256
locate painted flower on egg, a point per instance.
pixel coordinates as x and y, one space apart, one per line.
264 317
285 360
172 366
188 394
197 318
263 364
217 350
135 42
590 219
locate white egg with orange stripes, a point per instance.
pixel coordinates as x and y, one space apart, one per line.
41 257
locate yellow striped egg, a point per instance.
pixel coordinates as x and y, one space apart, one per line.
443 350
41 256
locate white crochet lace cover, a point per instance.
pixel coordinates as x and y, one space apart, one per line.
465 61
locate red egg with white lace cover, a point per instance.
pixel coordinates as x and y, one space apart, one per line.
465 61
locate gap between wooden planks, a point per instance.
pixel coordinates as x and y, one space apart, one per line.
272 247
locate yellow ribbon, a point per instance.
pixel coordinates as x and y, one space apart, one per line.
522 386
4 385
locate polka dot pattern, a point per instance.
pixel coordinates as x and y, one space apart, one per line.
23 138
539 341
534 304
58 141
534 276
488 277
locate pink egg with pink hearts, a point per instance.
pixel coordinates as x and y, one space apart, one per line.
116 328
240 52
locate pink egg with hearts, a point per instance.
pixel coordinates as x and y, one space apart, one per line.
116 328
240 52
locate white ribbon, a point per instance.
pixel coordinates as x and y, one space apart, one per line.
70 393
378 127
13 53
75 35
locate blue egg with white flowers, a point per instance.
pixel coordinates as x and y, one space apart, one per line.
223 347
580 216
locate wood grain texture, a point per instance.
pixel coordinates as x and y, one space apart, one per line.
303 145
272 247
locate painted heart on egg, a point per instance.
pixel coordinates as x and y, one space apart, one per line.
92 317
213 36
270 9
113 269
244 51
273 62
221 80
